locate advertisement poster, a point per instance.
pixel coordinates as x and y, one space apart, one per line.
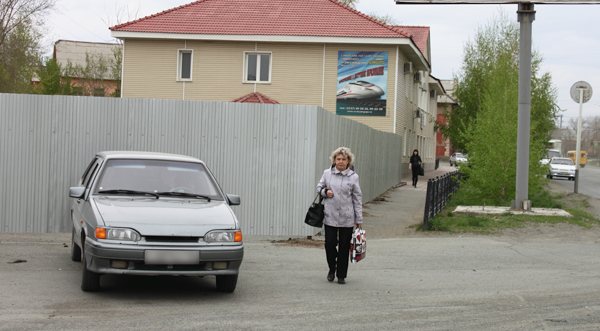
361 83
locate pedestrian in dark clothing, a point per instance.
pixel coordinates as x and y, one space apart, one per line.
415 165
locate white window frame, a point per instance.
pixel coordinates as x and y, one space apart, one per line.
179 53
245 73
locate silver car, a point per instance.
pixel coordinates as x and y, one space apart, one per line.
140 213
457 158
561 167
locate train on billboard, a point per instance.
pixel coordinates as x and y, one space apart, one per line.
362 83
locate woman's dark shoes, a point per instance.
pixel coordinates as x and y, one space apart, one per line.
341 281
331 276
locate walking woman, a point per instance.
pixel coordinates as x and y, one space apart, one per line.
415 165
343 209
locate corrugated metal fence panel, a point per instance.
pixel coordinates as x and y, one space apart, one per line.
271 155
377 153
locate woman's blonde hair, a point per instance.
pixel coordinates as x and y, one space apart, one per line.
345 151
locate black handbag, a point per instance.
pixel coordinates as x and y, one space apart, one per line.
421 171
316 212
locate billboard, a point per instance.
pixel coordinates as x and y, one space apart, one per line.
362 83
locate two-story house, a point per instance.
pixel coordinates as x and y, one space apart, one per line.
310 52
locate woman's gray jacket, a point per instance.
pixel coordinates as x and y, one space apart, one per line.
345 208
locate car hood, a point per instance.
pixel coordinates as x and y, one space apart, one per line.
166 216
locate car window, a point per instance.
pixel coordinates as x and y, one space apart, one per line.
157 176
459 155
85 179
552 154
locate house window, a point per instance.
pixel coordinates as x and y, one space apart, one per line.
98 92
77 90
257 67
184 64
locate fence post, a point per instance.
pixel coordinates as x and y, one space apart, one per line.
427 204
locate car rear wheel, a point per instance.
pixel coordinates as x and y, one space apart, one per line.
226 283
582 165
75 250
549 176
90 281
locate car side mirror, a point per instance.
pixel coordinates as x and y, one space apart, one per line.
77 192
234 200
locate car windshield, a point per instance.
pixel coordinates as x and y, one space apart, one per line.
156 176
552 154
563 161
459 155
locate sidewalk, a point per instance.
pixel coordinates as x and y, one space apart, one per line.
403 206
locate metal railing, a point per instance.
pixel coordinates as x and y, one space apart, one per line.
439 190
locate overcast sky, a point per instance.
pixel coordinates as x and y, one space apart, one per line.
568 37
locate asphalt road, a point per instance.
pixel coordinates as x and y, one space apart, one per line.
437 283
589 181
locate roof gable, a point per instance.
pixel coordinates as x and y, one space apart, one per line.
255 98
420 35
264 17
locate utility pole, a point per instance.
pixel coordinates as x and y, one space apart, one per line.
581 92
561 121
525 16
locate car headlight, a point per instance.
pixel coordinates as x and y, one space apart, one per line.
117 234
223 236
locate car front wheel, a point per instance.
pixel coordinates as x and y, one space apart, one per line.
226 283
549 176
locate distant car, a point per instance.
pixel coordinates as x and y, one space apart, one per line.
359 90
549 155
457 158
561 167
153 214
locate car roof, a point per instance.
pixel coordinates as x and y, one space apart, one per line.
561 158
146 155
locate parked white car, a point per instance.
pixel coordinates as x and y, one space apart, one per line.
457 158
154 214
561 167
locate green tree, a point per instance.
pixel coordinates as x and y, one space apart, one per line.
21 22
485 122
92 75
52 80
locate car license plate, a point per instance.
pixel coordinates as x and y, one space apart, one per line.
171 257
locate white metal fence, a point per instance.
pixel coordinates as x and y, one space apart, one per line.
271 155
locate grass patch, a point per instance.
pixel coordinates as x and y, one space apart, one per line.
448 221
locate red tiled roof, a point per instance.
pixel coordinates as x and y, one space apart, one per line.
255 98
264 17
419 35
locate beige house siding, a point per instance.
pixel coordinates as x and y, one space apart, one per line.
150 69
217 70
297 77
297 73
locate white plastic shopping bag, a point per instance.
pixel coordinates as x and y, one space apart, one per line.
358 245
